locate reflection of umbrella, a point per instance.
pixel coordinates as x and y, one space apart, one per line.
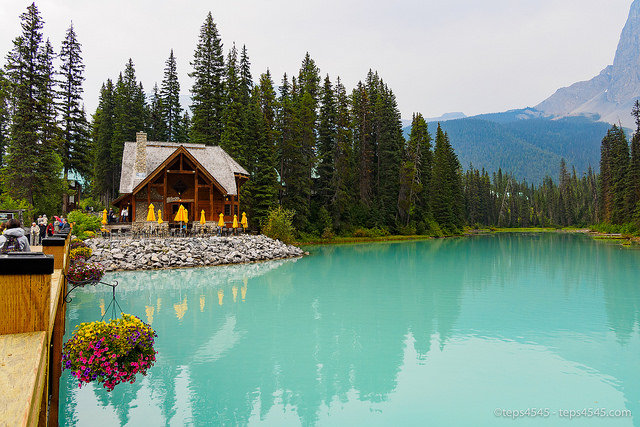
104 216
202 220
151 215
235 221
244 222
220 221
160 221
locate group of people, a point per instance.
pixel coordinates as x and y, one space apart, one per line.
14 238
112 217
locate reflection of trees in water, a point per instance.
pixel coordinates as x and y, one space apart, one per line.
339 351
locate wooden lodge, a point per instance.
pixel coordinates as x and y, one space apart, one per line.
167 175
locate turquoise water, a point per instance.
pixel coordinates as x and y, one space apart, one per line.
453 332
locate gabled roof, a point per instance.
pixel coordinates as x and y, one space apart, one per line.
213 158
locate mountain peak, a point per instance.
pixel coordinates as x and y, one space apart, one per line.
610 95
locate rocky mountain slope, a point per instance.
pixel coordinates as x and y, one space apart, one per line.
610 95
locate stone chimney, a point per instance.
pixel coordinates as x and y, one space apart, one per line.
141 155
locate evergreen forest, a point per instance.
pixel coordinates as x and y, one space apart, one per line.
335 158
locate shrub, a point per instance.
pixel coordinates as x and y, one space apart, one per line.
279 225
83 223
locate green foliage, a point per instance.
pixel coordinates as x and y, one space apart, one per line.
279 225
6 202
88 203
83 223
626 229
371 232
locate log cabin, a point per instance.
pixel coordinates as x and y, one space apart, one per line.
167 175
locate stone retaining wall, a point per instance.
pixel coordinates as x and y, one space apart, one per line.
157 253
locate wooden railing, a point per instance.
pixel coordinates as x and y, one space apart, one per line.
32 315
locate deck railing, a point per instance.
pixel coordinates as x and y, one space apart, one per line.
32 315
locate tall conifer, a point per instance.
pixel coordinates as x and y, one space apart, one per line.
170 95
73 120
32 165
208 87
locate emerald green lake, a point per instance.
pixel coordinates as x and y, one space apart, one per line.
451 332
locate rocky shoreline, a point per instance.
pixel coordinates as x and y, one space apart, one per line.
160 253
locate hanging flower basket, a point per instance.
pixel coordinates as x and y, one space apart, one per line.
82 273
110 353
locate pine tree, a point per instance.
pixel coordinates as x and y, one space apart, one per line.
184 128
327 136
102 135
32 166
343 183
262 190
634 168
129 115
208 87
73 120
614 169
415 172
156 117
363 144
389 142
234 117
446 186
170 96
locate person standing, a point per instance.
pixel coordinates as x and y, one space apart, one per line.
42 225
35 234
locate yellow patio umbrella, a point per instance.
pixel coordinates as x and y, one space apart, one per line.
185 215
151 215
202 220
160 221
235 221
244 221
104 217
178 217
221 220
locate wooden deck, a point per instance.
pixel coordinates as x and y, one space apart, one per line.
32 326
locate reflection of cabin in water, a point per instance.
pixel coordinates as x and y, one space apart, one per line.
198 177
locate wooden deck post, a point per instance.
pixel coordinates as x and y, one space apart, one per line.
25 292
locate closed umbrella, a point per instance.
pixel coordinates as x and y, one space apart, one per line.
244 222
178 217
235 222
160 221
104 217
220 224
202 220
151 215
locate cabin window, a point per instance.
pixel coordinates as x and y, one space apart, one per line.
227 210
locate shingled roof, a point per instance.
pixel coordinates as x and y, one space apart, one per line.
213 158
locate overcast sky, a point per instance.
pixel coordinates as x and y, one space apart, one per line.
437 56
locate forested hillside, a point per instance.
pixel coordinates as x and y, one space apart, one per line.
526 144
